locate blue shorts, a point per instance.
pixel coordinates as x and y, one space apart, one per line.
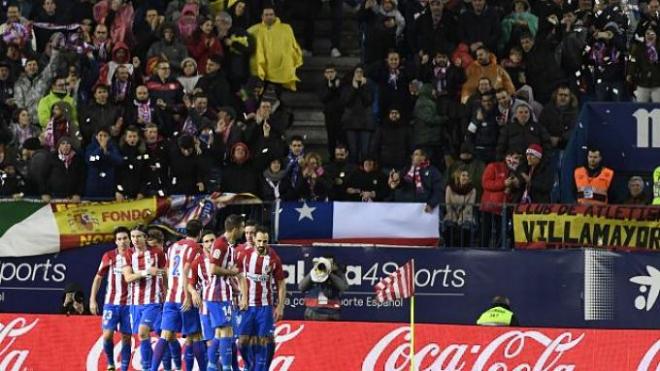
208 332
147 315
117 317
159 320
256 321
220 313
236 315
175 320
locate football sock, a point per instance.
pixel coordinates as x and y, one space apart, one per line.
109 349
226 353
125 355
212 355
159 351
146 353
188 356
175 353
199 350
261 358
234 356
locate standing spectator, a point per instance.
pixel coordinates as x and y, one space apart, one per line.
542 72
277 54
422 182
506 106
32 85
275 183
22 127
560 116
204 43
330 95
169 48
644 69
393 141
147 32
316 185
357 118
99 113
118 16
33 166
238 47
461 198
392 79
121 56
429 127
184 172
485 66
515 67
18 26
519 22
189 76
58 93
64 175
47 14
214 83
434 30
60 125
592 182
367 183
539 178
636 195
103 160
483 130
211 158
7 101
473 165
102 43
606 55
522 132
166 91
338 170
380 35
479 25
130 176
155 167
123 85
240 175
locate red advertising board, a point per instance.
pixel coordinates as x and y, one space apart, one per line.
43 342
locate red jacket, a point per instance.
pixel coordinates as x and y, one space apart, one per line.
201 52
493 184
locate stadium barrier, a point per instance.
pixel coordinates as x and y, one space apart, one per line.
44 342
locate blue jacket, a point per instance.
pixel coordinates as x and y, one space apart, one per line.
101 170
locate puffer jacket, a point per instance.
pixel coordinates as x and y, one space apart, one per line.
28 91
428 124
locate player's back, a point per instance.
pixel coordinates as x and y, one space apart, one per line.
179 254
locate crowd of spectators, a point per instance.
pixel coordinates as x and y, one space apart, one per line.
124 99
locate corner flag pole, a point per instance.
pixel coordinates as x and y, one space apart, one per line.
412 321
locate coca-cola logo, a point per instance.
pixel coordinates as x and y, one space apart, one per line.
392 352
647 363
13 359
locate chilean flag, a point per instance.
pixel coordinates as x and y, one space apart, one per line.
381 223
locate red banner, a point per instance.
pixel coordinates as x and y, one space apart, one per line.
43 342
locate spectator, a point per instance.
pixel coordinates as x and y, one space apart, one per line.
64 176
103 160
22 127
506 106
169 48
7 101
58 93
592 182
559 116
380 35
238 46
31 86
479 26
367 183
330 95
502 183
515 67
644 69
60 125
144 111
519 22
542 72
422 182
102 43
539 178
123 85
33 166
315 185
147 32
131 174
392 79
189 76
228 131
485 66
338 170
184 172
47 14
11 181
277 54
393 141
211 158
100 113
156 163
485 86
240 175
121 56
74 301
166 90
522 132
472 164
636 195
483 130
275 183
199 115
119 16
214 83
357 119
323 286
429 127
434 30
203 44
242 15
606 56
461 198
18 27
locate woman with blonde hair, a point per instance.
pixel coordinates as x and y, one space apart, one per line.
461 197
315 184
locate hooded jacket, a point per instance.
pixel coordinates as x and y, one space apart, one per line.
175 52
427 122
358 110
241 177
184 171
108 70
493 71
46 104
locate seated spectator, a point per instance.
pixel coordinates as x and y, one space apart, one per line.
522 132
636 194
358 119
560 116
275 183
189 75
57 93
60 125
422 182
64 175
472 164
131 173
644 68
22 127
483 130
429 131
393 141
461 198
240 175
315 185
338 170
203 44
103 160
485 66
184 171
277 53
539 178
367 183
169 47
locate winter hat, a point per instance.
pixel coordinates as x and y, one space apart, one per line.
32 144
183 63
535 150
186 142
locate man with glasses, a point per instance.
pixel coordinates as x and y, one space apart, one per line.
166 90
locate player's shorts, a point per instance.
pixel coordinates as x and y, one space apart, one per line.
256 321
159 320
117 317
236 315
208 332
220 313
147 315
175 320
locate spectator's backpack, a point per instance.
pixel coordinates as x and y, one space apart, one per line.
188 21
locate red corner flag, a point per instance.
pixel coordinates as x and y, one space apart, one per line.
398 285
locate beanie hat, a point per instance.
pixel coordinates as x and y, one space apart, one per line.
535 150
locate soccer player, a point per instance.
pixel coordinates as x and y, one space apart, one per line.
259 266
199 278
218 293
116 312
179 314
145 275
156 240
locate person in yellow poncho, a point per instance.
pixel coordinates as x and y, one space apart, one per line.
277 54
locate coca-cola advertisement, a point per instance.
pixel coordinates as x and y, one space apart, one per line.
50 342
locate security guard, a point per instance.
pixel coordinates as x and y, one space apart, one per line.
593 182
499 314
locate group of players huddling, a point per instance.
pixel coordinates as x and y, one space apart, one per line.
220 297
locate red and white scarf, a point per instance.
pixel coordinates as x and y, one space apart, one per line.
414 175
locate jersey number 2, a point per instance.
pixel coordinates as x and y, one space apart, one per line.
175 267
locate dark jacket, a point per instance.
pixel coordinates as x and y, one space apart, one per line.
184 171
644 73
170 91
540 184
155 169
483 133
432 38
516 136
358 111
392 92
432 184
63 182
268 186
374 181
559 122
95 116
484 27
542 71
216 87
241 178
339 172
392 143
330 96
131 173
101 170
428 124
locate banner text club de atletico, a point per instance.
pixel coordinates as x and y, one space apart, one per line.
74 343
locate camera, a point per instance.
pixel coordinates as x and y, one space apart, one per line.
321 270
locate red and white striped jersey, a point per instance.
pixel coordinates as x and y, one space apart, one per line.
239 250
112 265
222 255
260 271
211 288
181 253
147 290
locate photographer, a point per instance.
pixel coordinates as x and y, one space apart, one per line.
323 286
74 301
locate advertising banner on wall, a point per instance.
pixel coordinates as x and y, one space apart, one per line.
75 343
